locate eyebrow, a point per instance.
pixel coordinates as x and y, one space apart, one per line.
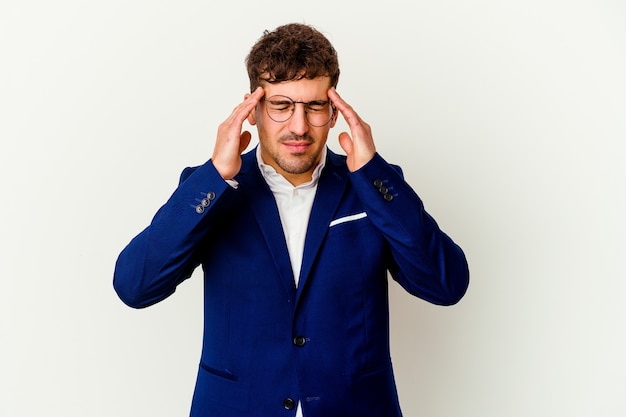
283 98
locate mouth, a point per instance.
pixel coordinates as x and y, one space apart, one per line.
297 147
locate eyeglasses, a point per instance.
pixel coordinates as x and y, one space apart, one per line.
280 109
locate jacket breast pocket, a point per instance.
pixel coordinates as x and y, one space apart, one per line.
348 218
352 237
352 222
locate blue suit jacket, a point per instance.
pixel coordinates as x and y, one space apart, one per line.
267 344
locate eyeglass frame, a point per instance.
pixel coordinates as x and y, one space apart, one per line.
306 104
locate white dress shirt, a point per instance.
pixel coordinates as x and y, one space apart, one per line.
294 207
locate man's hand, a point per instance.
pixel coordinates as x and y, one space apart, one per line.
231 141
359 147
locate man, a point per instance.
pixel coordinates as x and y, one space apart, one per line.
295 242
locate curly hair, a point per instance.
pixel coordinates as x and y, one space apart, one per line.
290 53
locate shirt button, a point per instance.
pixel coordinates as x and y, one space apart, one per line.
299 341
289 404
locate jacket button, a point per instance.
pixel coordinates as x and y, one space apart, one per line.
388 197
210 195
378 183
289 404
199 209
299 341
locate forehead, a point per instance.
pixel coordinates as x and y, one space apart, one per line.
300 90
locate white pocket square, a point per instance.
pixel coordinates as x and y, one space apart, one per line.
347 219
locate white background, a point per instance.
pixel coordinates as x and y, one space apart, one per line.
508 117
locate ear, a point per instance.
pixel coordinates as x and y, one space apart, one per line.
252 115
333 121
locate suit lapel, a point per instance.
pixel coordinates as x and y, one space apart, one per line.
330 190
263 205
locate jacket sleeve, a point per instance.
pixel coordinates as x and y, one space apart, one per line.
162 255
425 261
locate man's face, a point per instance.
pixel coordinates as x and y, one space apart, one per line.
293 147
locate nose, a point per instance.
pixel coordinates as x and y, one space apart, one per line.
298 125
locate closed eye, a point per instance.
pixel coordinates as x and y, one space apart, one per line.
317 106
279 105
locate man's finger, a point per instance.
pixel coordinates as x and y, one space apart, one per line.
241 112
350 116
346 143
